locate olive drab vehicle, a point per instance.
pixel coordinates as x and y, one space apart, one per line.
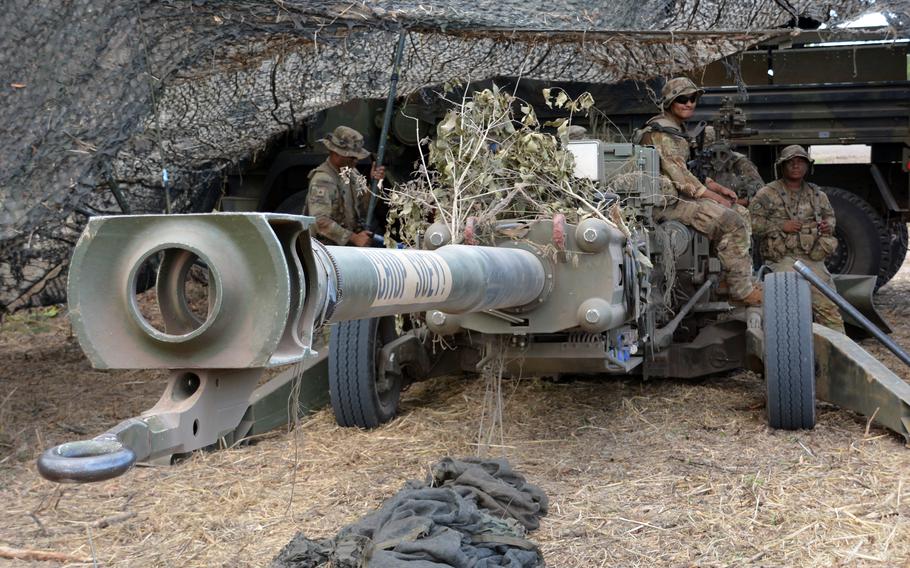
796 92
600 297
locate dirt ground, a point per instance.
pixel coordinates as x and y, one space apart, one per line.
660 473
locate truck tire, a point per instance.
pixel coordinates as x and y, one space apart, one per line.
863 238
789 356
897 251
360 395
293 204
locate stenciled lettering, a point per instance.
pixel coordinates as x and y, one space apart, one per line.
412 277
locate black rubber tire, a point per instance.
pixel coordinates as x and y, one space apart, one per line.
293 204
356 398
863 237
789 356
897 251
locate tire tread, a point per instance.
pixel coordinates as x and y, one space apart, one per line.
789 353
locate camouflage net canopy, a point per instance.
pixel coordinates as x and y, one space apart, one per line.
101 97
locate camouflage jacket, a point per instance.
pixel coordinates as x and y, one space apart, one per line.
339 202
673 144
734 170
774 204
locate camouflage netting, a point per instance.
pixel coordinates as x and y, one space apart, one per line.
101 96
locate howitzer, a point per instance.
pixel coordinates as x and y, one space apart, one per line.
552 297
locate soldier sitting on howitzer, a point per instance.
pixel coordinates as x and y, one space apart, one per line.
730 168
706 207
717 160
793 220
338 195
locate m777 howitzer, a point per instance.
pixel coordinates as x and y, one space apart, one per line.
551 297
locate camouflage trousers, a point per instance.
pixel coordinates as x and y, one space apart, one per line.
824 311
730 233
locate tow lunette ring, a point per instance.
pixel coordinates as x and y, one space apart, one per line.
86 461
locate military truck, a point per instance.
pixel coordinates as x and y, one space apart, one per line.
793 90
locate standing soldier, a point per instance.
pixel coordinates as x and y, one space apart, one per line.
793 220
338 195
706 207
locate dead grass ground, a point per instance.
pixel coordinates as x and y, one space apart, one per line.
663 473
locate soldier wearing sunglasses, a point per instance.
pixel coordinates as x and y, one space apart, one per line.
706 207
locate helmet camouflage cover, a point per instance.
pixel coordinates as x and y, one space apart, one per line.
793 151
676 87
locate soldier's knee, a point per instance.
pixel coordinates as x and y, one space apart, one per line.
732 221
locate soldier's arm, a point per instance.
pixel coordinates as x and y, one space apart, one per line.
762 209
750 179
320 200
827 212
674 167
827 223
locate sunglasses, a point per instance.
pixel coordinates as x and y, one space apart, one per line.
686 99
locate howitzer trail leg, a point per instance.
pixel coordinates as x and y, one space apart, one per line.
850 377
196 409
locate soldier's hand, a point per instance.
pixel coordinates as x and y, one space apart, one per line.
361 239
824 228
378 172
792 226
744 201
721 189
723 200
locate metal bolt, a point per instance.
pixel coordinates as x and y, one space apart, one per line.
436 239
590 235
592 316
437 318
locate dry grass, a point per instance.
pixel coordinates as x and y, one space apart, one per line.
664 473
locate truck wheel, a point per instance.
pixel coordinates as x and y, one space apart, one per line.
897 252
362 395
293 204
788 349
863 238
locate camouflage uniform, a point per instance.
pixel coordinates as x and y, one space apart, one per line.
727 229
736 171
338 201
772 206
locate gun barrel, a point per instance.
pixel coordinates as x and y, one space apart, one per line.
454 278
269 287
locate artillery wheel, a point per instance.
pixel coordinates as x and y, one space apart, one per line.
863 237
789 354
362 395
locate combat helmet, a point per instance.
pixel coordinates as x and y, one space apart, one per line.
345 141
793 151
676 87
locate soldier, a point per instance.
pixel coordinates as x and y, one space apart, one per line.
730 168
793 220
338 195
706 207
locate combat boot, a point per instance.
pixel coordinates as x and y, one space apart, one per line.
753 298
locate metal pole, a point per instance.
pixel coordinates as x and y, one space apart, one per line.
843 304
386 123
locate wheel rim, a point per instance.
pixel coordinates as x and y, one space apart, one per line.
841 261
387 385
